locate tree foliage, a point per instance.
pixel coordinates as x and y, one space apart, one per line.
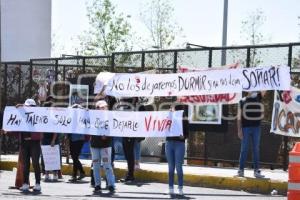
251 31
251 27
108 30
157 16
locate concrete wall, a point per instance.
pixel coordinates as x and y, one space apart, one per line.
25 29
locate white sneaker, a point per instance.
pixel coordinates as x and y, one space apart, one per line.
55 177
37 187
170 191
180 191
257 174
25 187
240 173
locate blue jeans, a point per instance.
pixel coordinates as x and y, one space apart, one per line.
137 150
175 155
104 155
254 134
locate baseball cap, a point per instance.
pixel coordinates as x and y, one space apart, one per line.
30 102
100 103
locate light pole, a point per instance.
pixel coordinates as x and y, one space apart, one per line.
224 34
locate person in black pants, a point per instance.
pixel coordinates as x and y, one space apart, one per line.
30 148
128 148
76 144
128 142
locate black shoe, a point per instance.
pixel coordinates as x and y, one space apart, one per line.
73 179
111 188
97 188
127 180
81 176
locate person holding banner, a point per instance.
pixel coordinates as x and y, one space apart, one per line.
129 104
76 144
49 139
101 153
175 150
30 147
250 113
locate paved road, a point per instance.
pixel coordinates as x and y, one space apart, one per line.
64 190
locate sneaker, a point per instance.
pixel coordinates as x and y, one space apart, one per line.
111 188
47 177
25 187
127 180
97 188
37 187
73 179
55 177
180 191
257 174
170 191
81 176
240 173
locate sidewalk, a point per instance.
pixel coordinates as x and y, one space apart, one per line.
211 177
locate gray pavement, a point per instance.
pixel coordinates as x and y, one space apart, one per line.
276 175
139 190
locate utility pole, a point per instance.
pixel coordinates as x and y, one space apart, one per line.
224 34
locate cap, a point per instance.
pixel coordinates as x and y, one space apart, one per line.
100 103
77 106
30 102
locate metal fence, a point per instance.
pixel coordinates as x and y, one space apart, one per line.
212 145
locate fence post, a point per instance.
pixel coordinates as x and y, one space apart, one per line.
210 57
112 62
30 77
143 61
175 62
19 81
248 57
56 69
83 65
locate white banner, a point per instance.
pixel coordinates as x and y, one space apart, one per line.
210 99
286 113
51 157
200 83
93 122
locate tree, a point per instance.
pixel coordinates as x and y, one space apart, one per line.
108 31
158 18
251 31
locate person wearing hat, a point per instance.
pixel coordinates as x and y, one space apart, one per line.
101 148
30 148
76 144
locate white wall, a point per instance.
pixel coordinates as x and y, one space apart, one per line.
25 29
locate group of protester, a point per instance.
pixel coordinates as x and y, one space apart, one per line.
103 154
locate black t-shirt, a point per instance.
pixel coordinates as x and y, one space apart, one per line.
251 111
100 141
47 138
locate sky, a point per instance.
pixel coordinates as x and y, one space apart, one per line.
201 21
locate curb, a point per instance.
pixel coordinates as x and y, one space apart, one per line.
253 185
